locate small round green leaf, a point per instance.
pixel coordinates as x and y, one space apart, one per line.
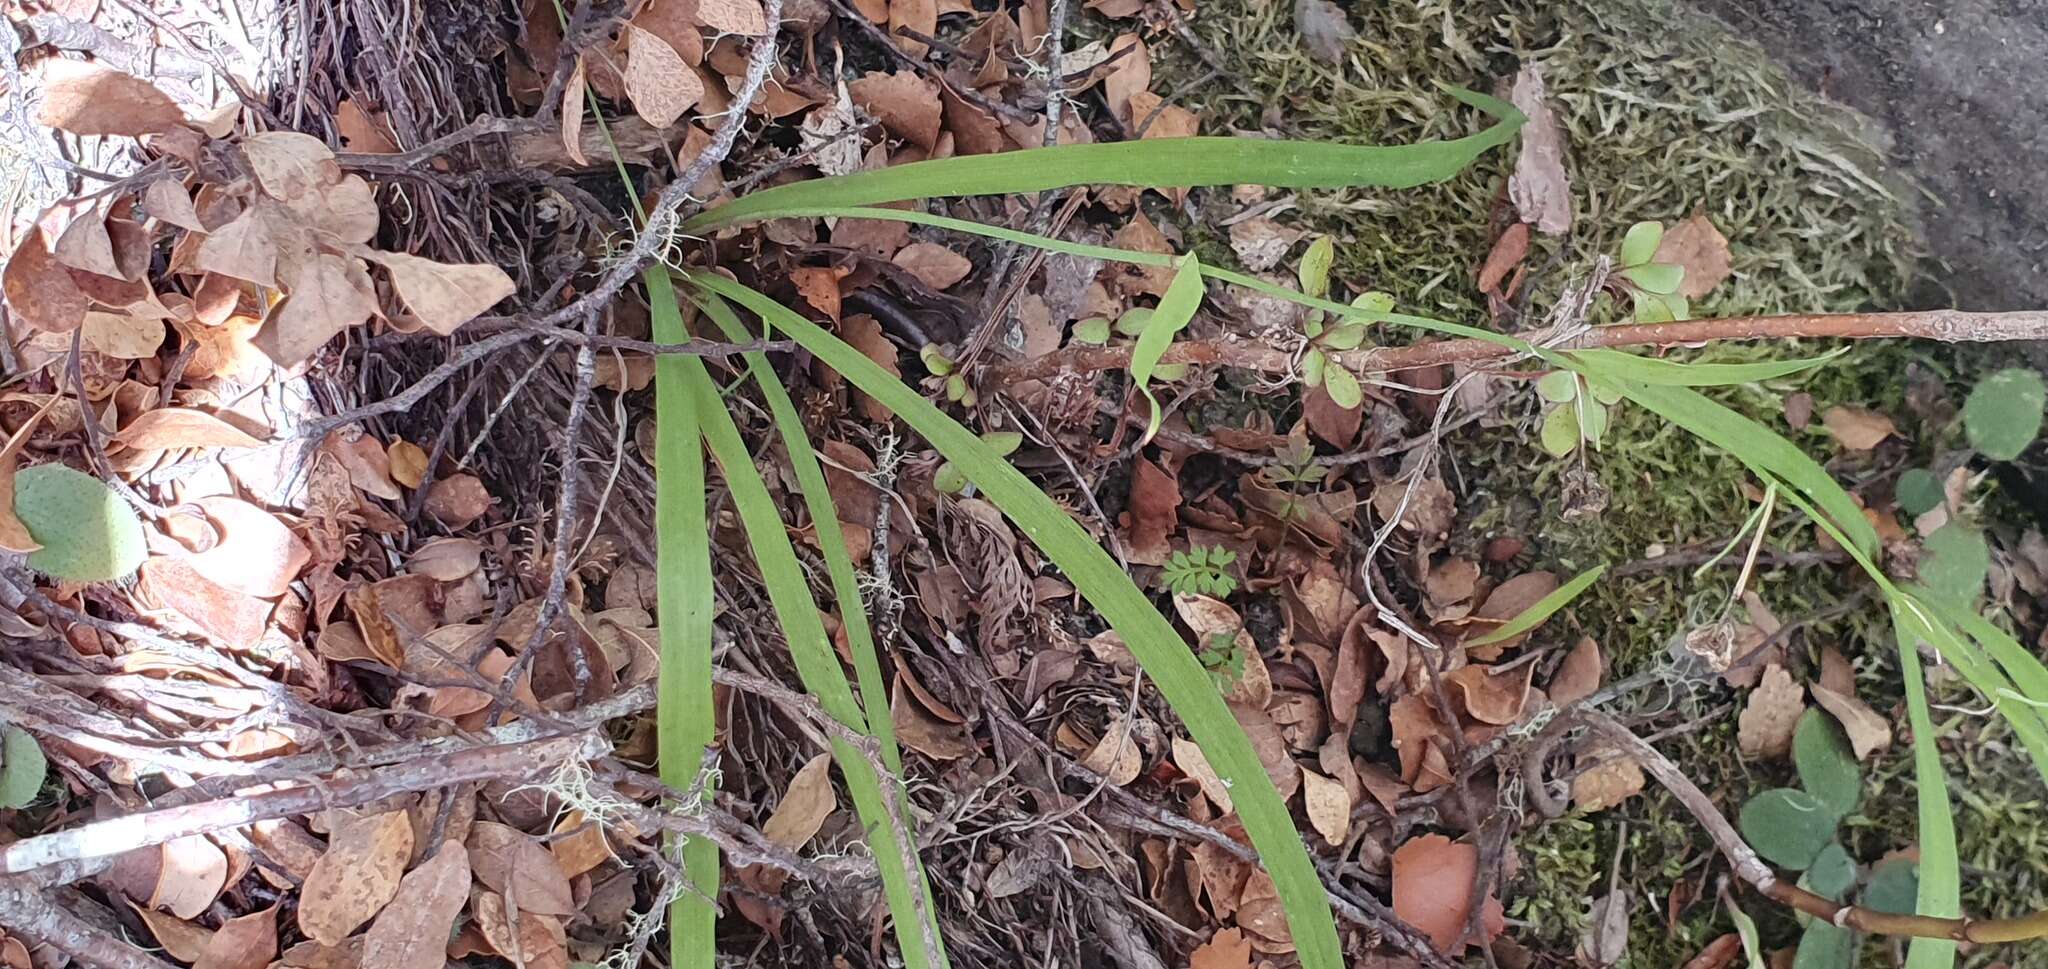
1827 766
1919 491
1558 386
87 532
1093 332
1315 266
1954 562
1604 391
21 767
1657 277
2003 414
1344 336
1560 431
1894 887
1592 422
1641 242
934 360
1342 386
1832 873
1375 302
1133 321
1825 946
1002 442
949 480
1313 364
1788 827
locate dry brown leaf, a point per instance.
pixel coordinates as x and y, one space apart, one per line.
1227 949
290 164
921 731
1491 698
934 265
257 555
412 932
674 21
905 103
819 286
1508 252
345 213
1614 777
1152 516
572 113
40 289
511 862
805 804
166 199
1271 745
1835 672
1115 756
244 248
1212 620
408 462
1869 732
1769 718
1433 891
86 245
744 17
14 536
1416 730
1541 190
918 15
1857 428
1579 675
1507 601
183 940
236 620
658 81
458 500
191 874
1152 117
362 131
444 295
1260 242
1131 74
329 294
447 559
173 428
92 99
122 336
1187 755
1699 247
246 942
579 844
1328 805
357 876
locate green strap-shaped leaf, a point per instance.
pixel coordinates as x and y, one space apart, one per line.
789 592
1176 308
1941 879
1671 373
1166 659
1154 163
1542 609
685 720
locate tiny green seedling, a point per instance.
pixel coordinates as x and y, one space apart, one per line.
1575 411
1201 570
1319 366
1224 660
2001 419
1794 828
87 533
952 481
1654 285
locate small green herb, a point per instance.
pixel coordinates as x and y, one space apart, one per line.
1201 570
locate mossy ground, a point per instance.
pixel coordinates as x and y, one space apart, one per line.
1666 115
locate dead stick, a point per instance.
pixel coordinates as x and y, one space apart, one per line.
115 835
1752 869
1947 326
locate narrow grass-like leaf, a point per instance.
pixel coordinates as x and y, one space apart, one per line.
1176 308
1156 163
1542 609
1941 880
789 592
1172 666
1671 373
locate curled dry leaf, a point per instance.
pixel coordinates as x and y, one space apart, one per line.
1507 601
256 555
457 499
1857 428
362 131
922 731
1489 697
905 103
1868 731
513 863
92 99
244 248
444 295
1187 755
122 336
184 941
572 113
1154 118
166 199
447 559
176 428
934 265
1579 675
1541 190
1433 891
659 83
921 16
40 289
1771 715
1328 805
328 294
289 164
412 932
1151 517
733 16
1701 249
357 876
14 536
1227 949
190 874
408 462
1115 756
1131 73
245 942
805 804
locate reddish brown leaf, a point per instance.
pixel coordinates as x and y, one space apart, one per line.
1227 949
511 862
172 428
1701 249
40 289
257 555
819 286
921 16
1857 428
412 932
1579 675
234 619
805 804
92 99
357 876
1507 253
1152 516
905 102
1433 892
457 500
246 942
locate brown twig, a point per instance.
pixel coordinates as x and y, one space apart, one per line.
1752 869
1947 326
27 911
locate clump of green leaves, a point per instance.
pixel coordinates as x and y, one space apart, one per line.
87 533
1224 660
1654 285
2001 418
1201 570
1575 411
21 767
1319 368
1794 828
